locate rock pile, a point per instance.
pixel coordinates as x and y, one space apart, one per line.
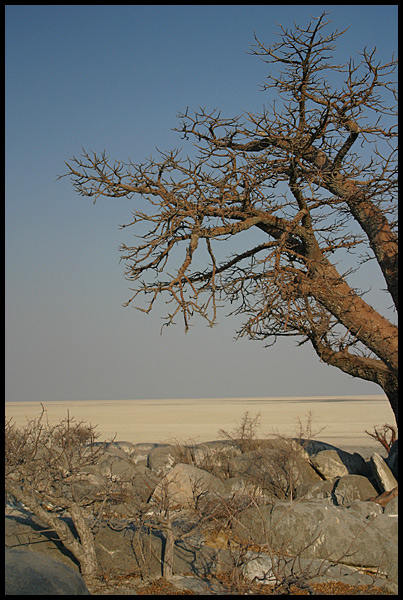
256 510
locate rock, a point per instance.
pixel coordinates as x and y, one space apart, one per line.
386 525
28 532
87 486
129 550
115 466
237 486
30 574
276 471
139 452
144 482
122 445
163 458
214 456
184 484
332 518
383 475
392 459
392 508
113 448
136 550
316 490
313 529
263 569
121 449
367 510
352 487
337 463
314 447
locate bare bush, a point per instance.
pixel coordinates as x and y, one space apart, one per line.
385 435
272 465
245 434
44 473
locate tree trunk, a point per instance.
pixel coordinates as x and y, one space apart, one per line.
168 560
366 368
371 328
83 549
90 568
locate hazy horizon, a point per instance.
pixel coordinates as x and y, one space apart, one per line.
321 398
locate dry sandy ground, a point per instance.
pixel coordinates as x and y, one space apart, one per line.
343 420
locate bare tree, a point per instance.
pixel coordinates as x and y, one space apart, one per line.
308 187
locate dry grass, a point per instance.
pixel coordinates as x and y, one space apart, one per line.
162 587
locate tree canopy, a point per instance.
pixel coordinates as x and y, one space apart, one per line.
314 175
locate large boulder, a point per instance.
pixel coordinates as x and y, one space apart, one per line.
384 477
349 488
30 574
275 470
336 463
316 490
215 456
129 550
340 491
268 569
27 531
185 484
314 529
139 550
113 466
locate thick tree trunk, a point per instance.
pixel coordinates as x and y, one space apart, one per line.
372 329
83 549
90 568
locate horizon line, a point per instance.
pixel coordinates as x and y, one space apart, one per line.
317 397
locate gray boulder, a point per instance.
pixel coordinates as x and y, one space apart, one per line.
28 532
314 447
352 487
184 484
367 510
30 574
383 475
276 471
318 530
129 550
316 490
114 448
340 491
266 569
143 483
114 466
139 452
392 508
163 458
337 463
139 550
215 456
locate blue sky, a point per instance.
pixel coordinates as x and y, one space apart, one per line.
115 78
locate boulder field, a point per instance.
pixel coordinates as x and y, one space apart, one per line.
273 509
